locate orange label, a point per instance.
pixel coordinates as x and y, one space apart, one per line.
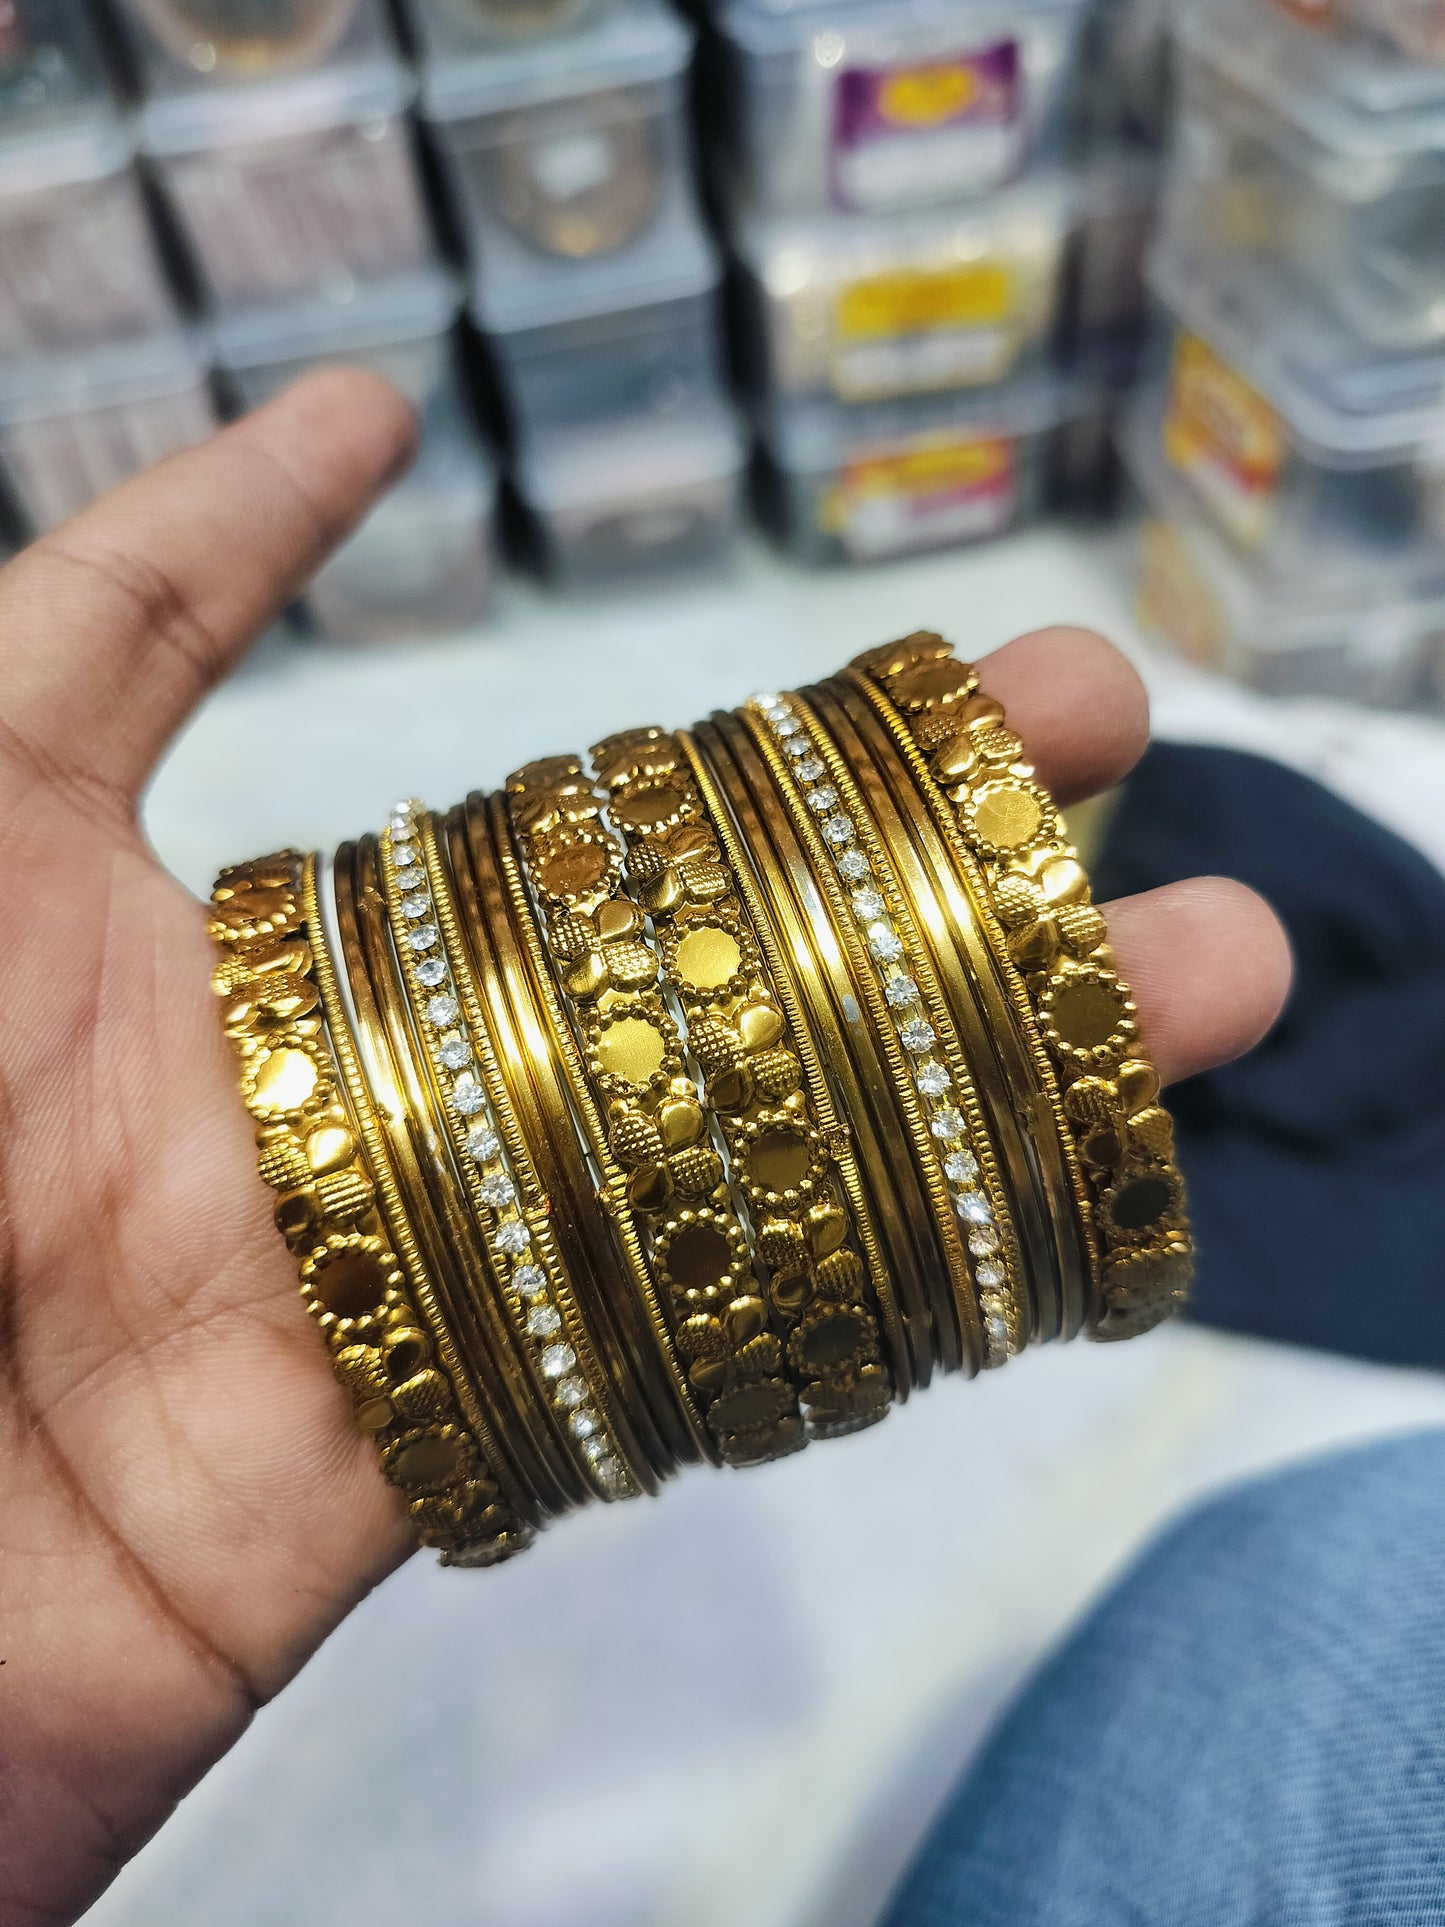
1221 433
927 493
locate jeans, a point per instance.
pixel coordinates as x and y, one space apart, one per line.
1250 1728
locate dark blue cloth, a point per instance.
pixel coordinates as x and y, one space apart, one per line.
1317 1164
1249 1731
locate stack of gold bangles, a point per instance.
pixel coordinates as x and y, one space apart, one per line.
699 1099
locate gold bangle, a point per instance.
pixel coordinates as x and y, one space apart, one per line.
777 1153
362 1281
1130 1190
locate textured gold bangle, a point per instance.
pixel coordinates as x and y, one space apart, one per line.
964 1173
658 1122
779 1153
488 1154
283 1013
1131 1190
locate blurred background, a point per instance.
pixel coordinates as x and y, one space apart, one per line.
744 335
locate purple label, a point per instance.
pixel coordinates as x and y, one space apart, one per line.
980 87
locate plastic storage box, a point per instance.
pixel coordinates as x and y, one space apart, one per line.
871 308
307 186
1276 170
1414 28
183 44
447 28
1308 488
403 328
607 345
893 104
566 152
850 485
72 427
77 262
619 502
1125 80
422 563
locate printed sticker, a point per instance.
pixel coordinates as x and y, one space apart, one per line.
1223 435
916 329
909 134
896 498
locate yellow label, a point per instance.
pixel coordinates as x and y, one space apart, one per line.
1173 600
927 96
1223 434
935 468
975 294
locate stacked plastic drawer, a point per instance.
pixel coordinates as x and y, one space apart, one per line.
1291 447
562 129
894 178
281 144
98 375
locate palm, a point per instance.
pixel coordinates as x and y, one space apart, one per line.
185 1509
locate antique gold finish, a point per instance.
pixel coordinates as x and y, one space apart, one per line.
698 1102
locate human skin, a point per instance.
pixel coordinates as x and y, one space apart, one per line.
185 1508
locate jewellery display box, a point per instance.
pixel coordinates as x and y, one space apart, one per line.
871 308
422 564
73 426
604 344
864 485
626 500
895 104
1316 472
185 44
1289 162
301 187
565 151
77 263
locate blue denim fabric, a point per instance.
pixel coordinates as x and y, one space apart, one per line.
1250 1728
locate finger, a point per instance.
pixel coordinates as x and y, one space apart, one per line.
1078 704
1209 965
116 623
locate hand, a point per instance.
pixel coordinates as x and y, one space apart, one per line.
185 1508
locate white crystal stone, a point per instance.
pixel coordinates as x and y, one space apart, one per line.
853 866
413 877
583 1423
918 1036
991 1277
884 942
558 1360
996 1325
498 1190
416 906
423 937
455 1053
595 1451
609 1476
960 1167
544 1321
869 905
769 701
947 1124
513 1238
901 991
838 830
933 1080
570 1394
787 725
983 1240
530 1280
974 1208
431 971
468 1095
441 1011
483 1143
810 770
822 799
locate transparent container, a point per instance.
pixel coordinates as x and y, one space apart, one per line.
1383 648
894 104
403 328
617 503
1412 28
1305 487
78 262
185 44
872 308
1275 174
447 28
851 485
73 427
49 65
1126 82
568 153
1108 290
304 187
617 347
423 563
